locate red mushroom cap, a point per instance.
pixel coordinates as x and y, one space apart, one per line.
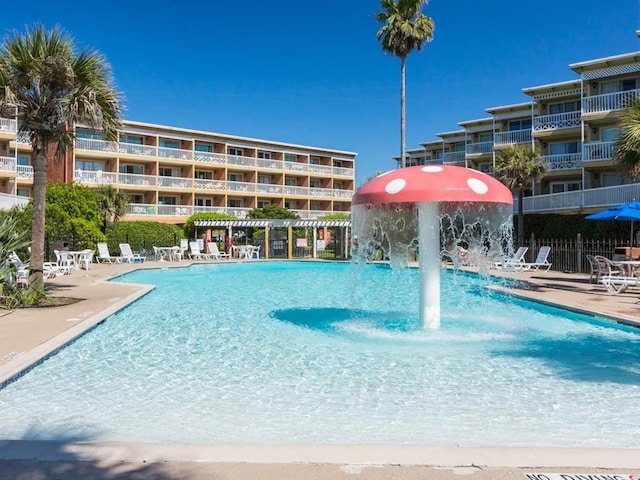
433 183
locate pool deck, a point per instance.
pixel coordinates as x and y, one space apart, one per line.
27 335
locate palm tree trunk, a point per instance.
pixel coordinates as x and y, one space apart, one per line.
520 217
403 147
39 161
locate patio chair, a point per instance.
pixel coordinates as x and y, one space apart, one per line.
51 270
541 261
21 270
196 254
184 246
513 262
65 264
128 255
214 251
86 259
105 256
255 252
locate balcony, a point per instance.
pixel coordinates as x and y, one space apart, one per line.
25 171
512 138
337 193
241 161
269 164
208 209
133 179
95 177
138 150
343 172
269 189
609 102
7 201
8 126
320 169
581 199
177 153
320 192
208 184
293 190
296 166
599 151
175 182
549 123
243 187
210 158
454 157
175 210
480 148
566 161
91 145
7 164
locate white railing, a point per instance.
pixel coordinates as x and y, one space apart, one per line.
241 187
598 151
343 172
175 210
321 169
269 164
580 199
23 137
337 193
207 184
512 138
135 179
8 125
139 150
7 201
609 101
142 209
7 164
454 157
175 182
241 161
92 145
315 214
479 148
166 152
556 121
24 171
203 208
269 188
563 162
320 192
239 212
95 177
292 190
209 157
296 166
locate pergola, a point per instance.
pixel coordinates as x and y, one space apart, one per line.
289 224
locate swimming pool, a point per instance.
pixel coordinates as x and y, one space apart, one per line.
301 352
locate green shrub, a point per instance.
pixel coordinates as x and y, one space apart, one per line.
190 229
142 236
85 234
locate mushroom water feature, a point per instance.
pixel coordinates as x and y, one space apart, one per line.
440 209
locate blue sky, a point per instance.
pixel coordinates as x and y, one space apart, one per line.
312 73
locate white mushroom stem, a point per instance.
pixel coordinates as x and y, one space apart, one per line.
429 258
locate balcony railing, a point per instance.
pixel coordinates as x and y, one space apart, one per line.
321 169
149 210
7 201
176 210
165 152
599 151
208 209
211 158
175 182
8 125
337 193
292 190
609 102
139 180
24 171
479 148
579 199
454 157
320 192
269 189
512 138
139 150
7 164
565 161
296 166
95 177
545 123
91 145
241 161
208 184
244 187
269 164
342 171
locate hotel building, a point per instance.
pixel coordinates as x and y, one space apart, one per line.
572 124
170 173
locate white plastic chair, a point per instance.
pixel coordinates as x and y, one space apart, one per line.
63 261
215 252
105 256
86 259
196 254
128 255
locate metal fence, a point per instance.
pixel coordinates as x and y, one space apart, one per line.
569 255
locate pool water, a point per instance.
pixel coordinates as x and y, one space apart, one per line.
309 352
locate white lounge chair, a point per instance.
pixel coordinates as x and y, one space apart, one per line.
215 252
196 254
128 255
619 283
541 261
22 270
513 262
105 256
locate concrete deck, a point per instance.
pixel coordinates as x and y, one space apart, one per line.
27 335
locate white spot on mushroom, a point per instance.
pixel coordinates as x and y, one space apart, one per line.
477 185
395 186
431 169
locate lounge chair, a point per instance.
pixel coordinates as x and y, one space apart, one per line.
21 270
618 283
513 262
196 254
105 256
214 251
128 255
541 261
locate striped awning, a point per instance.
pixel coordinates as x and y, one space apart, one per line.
272 223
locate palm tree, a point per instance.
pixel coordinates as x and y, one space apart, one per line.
627 154
405 29
50 87
113 205
516 166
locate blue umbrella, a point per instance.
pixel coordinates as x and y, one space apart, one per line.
629 211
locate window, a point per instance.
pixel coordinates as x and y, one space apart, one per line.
235 151
235 203
291 205
199 147
337 185
611 180
263 203
166 143
609 134
266 155
559 187
132 139
291 182
88 165
204 202
264 179
564 107
337 163
314 160
81 133
202 175
162 200
315 206
235 177
460 147
136 198
563 148
168 172
23 192
134 169
515 125
314 183
486 137
25 160
289 157
618 85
